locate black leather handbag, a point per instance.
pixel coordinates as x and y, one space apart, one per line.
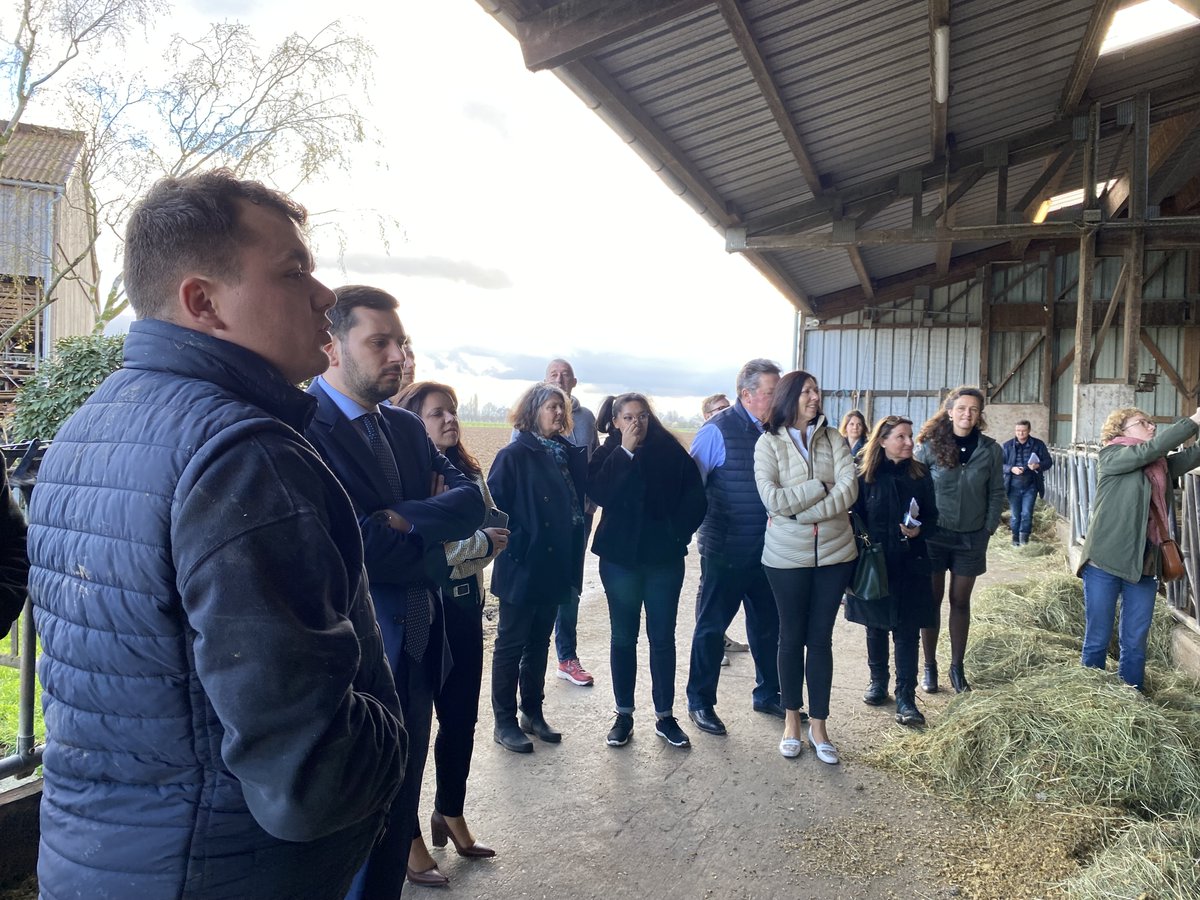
870 581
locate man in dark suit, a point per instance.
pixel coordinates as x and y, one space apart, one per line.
409 500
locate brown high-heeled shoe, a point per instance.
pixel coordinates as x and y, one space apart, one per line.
431 877
439 832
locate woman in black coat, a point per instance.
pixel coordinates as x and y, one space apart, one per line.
889 480
540 480
653 502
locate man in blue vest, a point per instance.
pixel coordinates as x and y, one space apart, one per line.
221 721
731 544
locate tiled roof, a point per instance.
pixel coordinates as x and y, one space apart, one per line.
41 155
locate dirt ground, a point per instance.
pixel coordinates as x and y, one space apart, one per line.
729 817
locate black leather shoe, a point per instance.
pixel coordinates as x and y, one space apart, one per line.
509 737
876 693
958 680
706 719
907 712
929 684
771 709
539 728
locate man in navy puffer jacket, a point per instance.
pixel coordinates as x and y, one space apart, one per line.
221 721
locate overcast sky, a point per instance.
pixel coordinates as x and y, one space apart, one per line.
528 229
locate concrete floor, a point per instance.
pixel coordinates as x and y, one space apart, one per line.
728 818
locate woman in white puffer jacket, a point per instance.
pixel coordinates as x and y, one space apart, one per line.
807 481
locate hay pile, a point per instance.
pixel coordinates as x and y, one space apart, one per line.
1043 731
1065 735
1157 859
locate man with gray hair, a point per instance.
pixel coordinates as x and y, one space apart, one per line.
583 434
731 544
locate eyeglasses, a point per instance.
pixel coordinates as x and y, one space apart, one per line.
1145 423
641 417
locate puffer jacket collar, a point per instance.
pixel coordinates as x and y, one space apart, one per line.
155 345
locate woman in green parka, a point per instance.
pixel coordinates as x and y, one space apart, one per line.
1121 554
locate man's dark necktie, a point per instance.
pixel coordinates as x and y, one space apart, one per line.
417 608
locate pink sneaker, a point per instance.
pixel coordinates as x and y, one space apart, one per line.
572 671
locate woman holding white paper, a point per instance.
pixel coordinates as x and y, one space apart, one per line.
897 508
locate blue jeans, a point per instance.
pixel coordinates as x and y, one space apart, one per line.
1020 503
629 588
724 588
1100 591
566 623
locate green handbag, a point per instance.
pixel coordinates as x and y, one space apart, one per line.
870 581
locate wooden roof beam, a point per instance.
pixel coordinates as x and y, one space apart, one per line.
1178 98
1086 55
573 29
893 288
737 240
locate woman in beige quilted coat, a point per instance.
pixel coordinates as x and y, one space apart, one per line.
808 483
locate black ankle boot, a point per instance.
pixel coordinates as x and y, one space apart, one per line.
929 684
906 710
876 693
958 679
537 725
509 736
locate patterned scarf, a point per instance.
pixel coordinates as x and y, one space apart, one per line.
559 452
1156 474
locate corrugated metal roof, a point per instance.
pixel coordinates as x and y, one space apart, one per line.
1167 60
41 155
854 79
1008 64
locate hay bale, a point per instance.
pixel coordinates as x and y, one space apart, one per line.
1156 859
1065 735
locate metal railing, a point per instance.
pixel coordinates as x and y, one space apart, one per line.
24 459
1071 490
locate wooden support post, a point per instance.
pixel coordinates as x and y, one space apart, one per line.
1139 184
1048 346
1110 313
1083 305
1087 255
1133 305
985 330
1002 195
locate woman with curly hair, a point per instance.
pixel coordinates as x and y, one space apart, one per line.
540 480
968 480
1121 555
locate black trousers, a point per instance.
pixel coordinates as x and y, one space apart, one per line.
457 703
906 640
808 601
382 878
519 658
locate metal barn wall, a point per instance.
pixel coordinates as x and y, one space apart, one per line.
890 370
900 359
